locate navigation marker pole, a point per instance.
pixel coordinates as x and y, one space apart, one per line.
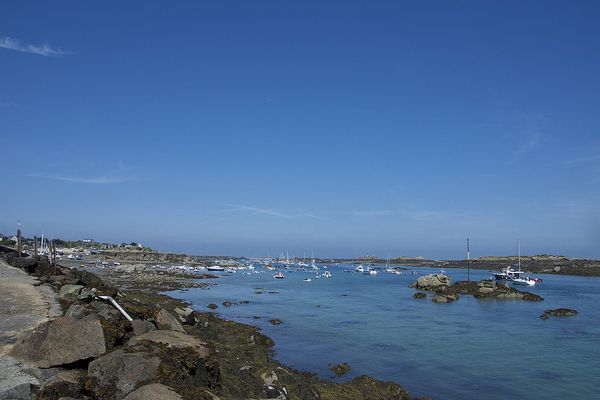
19 245
468 261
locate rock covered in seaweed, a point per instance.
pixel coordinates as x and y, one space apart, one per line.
483 289
558 312
340 369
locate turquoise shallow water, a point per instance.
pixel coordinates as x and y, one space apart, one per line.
470 349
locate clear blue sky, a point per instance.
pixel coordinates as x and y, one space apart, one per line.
339 127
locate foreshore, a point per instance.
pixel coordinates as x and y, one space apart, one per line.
168 351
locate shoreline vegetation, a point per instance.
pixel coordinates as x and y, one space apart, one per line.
168 351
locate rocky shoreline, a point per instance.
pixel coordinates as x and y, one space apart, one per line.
167 351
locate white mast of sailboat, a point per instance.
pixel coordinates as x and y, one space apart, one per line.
519 253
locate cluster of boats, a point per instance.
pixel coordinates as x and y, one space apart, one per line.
515 276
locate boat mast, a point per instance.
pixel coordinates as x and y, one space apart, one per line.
519 252
468 261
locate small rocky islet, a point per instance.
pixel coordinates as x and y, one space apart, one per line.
444 291
169 351
558 312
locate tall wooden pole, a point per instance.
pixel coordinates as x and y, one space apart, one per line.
19 248
53 246
468 261
35 245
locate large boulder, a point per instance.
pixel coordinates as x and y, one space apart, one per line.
78 311
64 384
116 374
154 391
432 282
141 326
486 286
69 292
15 382
185 315
62 341
165 320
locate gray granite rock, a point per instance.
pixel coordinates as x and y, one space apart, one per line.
62 341
116 374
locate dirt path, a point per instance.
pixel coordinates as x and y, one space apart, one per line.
24 304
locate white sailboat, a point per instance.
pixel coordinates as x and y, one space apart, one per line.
515 275
517 278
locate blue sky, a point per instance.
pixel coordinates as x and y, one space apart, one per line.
340 128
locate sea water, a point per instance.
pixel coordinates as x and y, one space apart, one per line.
468 349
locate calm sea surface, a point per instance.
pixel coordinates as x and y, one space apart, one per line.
470 349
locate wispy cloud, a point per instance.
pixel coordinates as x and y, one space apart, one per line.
425 215
8 104
96 180
580 160
42 50
257 211
272 212
531 134
533 141
314 216
371 213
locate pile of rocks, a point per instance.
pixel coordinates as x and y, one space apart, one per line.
446 292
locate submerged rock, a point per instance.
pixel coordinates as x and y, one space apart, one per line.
275 321
419 295
340 369
212 306
445 297
558 312
62 341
